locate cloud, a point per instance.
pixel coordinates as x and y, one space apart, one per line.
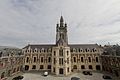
34 21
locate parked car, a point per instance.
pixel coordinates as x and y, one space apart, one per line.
106 77
87 72
75 78
45 74
18 78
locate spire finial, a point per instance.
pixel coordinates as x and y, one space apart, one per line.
61 19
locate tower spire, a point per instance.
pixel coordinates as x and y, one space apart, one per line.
61 19
61 36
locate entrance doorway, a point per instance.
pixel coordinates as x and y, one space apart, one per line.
26 67
61 71
98 67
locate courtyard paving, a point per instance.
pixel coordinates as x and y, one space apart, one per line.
38 76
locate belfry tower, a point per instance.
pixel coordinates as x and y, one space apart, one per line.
61 33
61 64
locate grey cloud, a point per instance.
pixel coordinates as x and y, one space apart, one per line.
34 21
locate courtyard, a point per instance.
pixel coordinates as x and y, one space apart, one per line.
39 76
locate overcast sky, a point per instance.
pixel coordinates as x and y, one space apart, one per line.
25 22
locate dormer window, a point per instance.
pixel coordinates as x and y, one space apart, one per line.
42 49
94 50
71 50
86 50
35 50
74 50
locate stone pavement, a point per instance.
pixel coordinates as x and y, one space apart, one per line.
38 76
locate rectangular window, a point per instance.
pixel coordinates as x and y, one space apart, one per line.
41 59
67 60
68 69
54 53
74 58
82 59
49 66
62 61
27 59
61 52
34 59
53 69
41 67
34 67
54 61
89 58
49 59
96 59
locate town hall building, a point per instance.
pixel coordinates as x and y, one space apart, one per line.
62 58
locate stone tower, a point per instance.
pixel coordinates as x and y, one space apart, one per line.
61 33
61 64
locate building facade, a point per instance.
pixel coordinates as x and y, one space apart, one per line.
11 62
111 64
62 58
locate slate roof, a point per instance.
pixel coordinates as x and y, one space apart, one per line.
46 46
84 46
39 46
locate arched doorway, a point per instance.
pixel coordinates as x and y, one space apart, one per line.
61 71
26 67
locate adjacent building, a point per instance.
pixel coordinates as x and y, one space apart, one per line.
11 62
62 58
111 64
